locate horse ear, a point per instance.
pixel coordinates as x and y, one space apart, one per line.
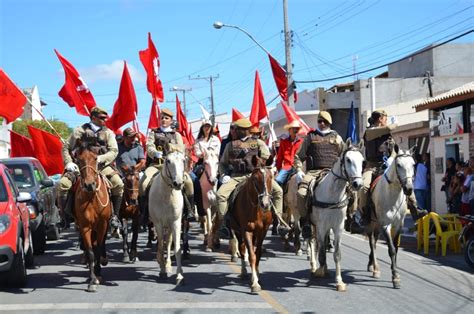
348 142
412 149
361 144
396 149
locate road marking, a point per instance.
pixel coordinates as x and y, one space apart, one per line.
152 305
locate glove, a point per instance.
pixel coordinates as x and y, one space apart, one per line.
299 176
100 159
225 179
72 167
159 154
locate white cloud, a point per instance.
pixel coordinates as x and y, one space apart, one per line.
110 72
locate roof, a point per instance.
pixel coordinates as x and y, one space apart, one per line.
458 94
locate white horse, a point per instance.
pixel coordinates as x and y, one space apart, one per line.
330 206
293 214
166 210
389 198
208 182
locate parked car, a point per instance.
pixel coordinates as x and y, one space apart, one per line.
16 245
30 176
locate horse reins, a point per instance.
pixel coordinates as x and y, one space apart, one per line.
98 185
396 172
264 192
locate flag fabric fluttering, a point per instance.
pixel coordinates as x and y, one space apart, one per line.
151 62
154 120
183 126
217 132
75 91
21 146
236 115
125 107
11 97
281 81
351 125
259 108
291 115
205 114
48 150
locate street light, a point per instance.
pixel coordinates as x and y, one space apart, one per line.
184 90
219 25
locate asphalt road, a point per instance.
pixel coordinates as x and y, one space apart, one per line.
430 284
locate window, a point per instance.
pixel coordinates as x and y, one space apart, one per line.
22 175
13 188
3 191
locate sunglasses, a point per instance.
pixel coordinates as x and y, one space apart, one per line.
321 121
102 117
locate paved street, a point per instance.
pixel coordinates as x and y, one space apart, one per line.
429 285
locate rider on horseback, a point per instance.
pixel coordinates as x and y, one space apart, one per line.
158 143
235 167
378 144
131 154
107 153
320 149
286 153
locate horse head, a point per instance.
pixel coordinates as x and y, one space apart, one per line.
403 166
87 161
130 181
211 164
351 163
173 168
262 178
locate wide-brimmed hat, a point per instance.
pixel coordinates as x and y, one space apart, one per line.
243 123
167 112
97 111
325 116
206 122
129 132
255 129
292 124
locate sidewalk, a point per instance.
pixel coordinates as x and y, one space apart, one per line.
408 243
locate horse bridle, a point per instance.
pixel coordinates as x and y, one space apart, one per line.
342 166
97 178
208 177
402 182
168 176
264 192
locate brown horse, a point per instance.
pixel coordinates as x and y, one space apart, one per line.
130 210
251 217
92 208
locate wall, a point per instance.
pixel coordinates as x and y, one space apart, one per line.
454 60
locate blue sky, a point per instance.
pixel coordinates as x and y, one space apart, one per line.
95 36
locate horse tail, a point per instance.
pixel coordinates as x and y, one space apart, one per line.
211 196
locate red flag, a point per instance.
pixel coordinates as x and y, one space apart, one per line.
126 107
281 81
153 121
151 62
21 146
75 91
291 115
47 148
259 108
236 115
218 132
12 99
183 127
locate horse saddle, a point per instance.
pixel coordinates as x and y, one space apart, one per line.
233 195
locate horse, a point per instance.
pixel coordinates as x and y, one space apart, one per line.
92 208
292 215
330 205
389 199
130 210
251 217
208 182
166 211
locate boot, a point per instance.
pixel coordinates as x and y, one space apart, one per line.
357 226
114 220
224 229
64 210
417 212
188 210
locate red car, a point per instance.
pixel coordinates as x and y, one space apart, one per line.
16 248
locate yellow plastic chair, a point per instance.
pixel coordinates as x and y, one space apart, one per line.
451 234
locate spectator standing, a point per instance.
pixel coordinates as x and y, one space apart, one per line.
448 177
420 184
465 189
454 202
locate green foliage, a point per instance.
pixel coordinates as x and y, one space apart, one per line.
21 127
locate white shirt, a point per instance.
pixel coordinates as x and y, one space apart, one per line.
201 144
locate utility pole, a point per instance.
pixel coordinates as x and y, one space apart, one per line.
184 90
429 80
211 80
289 66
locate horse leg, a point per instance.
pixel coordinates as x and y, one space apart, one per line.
160 254
126 257
296 239
151 235
254 286
373 264
87 241
234 247
177 252
208 230
243 269
322 270
169 241
340 285
312 248
392 251
135 227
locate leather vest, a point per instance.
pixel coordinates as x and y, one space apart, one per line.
240 155
162 139
372 148
101 136
322 151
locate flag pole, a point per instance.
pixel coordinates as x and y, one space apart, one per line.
43 117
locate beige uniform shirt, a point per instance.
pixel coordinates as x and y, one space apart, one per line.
151 148
224 162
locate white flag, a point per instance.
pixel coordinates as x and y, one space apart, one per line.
205 114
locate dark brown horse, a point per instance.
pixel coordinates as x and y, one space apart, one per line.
251 217
92 209
130 210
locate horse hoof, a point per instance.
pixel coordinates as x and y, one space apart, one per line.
163 275
370 268
397 283
180 282
126 259
104 261
208 249
299 253
255 288
376 274
341 287
234 259
91 288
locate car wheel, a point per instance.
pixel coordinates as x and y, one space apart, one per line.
39 239
29 257
17 275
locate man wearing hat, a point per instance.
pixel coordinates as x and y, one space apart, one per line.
320 149
287 151
107 154
131 154
377 139
256 132
232 135
235 166
158 143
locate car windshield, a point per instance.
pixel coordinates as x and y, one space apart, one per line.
3 191
21 174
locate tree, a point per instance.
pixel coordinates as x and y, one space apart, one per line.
21 127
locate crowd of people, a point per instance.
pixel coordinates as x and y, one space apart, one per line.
458 186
